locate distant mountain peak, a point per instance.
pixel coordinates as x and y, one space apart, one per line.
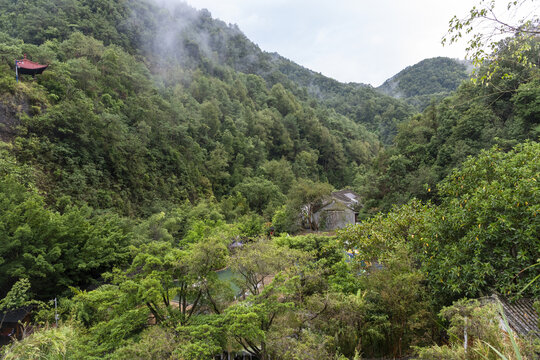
430 78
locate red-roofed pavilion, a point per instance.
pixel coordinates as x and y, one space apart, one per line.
28 67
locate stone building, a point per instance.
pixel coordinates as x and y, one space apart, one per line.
338 210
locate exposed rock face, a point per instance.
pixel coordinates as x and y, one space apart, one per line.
8 122
10 110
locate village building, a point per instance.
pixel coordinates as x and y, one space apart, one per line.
12 323
338 210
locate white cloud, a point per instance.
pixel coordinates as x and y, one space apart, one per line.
350 40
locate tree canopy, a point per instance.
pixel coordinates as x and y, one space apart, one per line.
160 177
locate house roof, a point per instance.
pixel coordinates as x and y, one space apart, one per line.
16 315
520 314
236 244
30 65
347 197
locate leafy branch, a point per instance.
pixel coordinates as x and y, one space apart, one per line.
486 28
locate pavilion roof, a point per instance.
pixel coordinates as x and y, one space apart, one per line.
30 65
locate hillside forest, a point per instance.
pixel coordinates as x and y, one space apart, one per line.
154 182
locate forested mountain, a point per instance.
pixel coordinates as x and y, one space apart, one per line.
154 178
166 78
430 79
97 126
430 145
185 38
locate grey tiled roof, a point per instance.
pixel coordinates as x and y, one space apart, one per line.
342 196
521 314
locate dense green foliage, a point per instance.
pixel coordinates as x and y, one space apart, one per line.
51 249
116 140
430 79
183 38
476 117
488 231
150 178
484 236
361 103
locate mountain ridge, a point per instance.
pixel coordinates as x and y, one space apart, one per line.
171 40
432 78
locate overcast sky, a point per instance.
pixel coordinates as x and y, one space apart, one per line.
348 40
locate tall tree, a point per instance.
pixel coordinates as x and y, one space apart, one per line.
306 197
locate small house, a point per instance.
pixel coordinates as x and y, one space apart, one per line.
12 324
338 210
